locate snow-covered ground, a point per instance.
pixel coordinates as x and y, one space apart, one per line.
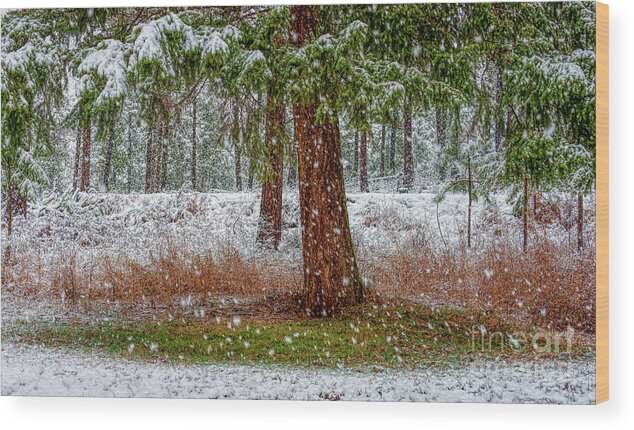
34 371
89 226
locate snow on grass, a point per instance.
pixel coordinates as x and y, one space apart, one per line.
31 370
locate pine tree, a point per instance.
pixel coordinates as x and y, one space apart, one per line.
331 275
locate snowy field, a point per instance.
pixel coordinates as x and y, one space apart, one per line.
93 225
28 370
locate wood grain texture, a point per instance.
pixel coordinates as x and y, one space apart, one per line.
602 202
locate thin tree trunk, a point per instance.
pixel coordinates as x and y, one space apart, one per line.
148 160
331 274
363 176
77 157
579 222
159 155
85 160
130 161
10 199
238 165
393 145
292 168
499 116
355 166
108 161
408 171
508 124
251 174
194 144
6 260
470 191
270 223
525 226
165 156
382 152
441 125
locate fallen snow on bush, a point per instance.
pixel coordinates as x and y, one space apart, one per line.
28 370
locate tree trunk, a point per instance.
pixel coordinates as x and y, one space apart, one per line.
408 170
292 168
270 223
77 157
6 258
148 161
159 155
441 125
238 165
194 144
499 117
108 161
579 222
251 174
85 159
382 152
470 191
331 275
393 145
355 166
363 176
525 227
130 161
165 157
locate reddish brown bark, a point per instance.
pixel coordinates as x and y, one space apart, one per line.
77 158
331 275
107 168
85 159
355 165
270 223
579 222
525 220
408 170
363 155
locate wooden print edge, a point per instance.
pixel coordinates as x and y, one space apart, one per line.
602 203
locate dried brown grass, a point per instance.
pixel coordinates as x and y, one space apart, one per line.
549 286
177 276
